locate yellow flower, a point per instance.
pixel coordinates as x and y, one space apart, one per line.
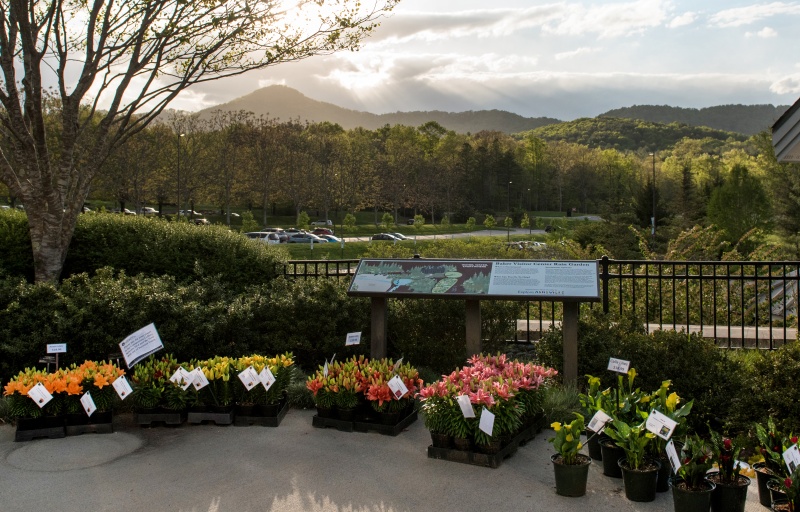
556 426
666 384
569 438
580 445
645 399
650 435
672 400
632 373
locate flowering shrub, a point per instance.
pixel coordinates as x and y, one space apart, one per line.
152 387
282 368
772 444
725 455
509 389
791 486
67 385
567 440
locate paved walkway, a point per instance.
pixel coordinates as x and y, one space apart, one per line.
294 467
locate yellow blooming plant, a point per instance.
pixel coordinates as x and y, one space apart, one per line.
634 439
282 368
220 371
567 440
668 405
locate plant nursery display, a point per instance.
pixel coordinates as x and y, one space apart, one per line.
571 468
730 493
691 491
483 406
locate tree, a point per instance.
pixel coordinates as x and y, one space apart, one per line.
471 223
525 222
489 222
349 222
303 220
740 204
116 67
387 221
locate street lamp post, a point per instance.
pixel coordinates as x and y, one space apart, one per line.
178 215
529 199
653 218
508 202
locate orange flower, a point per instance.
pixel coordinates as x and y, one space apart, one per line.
11 387
100 381
74 387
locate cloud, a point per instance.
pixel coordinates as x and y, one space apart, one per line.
787 85
739 16
605 21
684 19
576 53
764 33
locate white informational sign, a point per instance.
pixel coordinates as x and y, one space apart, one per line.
199 380
487 421
598 422
182 378
122 387
57 348
466 406
140 345
661 425
266 378
792 458
398 387
674 458
353 338
544 278
618 365
40 395
88 404
249 378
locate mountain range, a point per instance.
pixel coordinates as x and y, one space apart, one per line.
285 103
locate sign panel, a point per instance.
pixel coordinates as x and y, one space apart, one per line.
56 348
140 345
478 278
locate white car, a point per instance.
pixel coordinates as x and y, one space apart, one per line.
147 210
322 223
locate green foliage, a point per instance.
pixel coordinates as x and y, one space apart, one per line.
248 222
419 222
445 222
303 220
387 221
471 223
16 257
560 403
489 222
525 223
508 222
349 222
740 204
155 247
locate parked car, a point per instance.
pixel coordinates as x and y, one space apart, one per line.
306 238
128 212
331 238
264 236
148 210
399 236
322 231
282 235
322 223
385 236
189 213
294 231
201 221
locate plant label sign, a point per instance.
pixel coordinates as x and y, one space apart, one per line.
57 348
792 458
266 378
88 404
199 380
674 459
660 424
618 365
353 338
40 395
140 345
398 387
466 406
397 364
249 378
598 422
122 387
325 369
487 421
182 378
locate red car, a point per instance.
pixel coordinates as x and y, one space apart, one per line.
322 231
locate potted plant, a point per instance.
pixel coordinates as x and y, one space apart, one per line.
691 491
591 403
667 404
771 444
28 414
623 404
153 391
436 400
790 485
571 468
219 394
730 494
639 472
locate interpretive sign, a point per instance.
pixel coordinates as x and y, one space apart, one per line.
489 279
140 345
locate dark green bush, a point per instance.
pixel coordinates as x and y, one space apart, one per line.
16 257
697 368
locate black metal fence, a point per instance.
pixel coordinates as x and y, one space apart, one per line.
743 304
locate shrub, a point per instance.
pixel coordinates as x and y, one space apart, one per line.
16 258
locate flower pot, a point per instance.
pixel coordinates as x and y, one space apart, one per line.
763 476
664 474
593 444
782 505
776 491
462 443
640 484
729 497
611 454
244 409
571 478
491 447
272 410
78 418
441 440
345 414
390 418
685 499
325 412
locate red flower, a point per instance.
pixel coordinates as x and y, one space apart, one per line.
727 444
687 460
787 482
794 440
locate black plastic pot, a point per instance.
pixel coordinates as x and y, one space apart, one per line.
763 475
640 484
593 444
691 500
571 478
729 497
611 454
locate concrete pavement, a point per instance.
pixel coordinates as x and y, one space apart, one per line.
294 467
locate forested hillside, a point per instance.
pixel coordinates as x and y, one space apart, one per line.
745 119
627 134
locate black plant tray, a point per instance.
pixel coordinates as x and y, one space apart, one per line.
219 418
264 421
365 426
168 418
484 459
90 428
50 433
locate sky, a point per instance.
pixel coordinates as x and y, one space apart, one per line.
565 60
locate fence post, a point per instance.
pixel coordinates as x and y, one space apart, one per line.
604 278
